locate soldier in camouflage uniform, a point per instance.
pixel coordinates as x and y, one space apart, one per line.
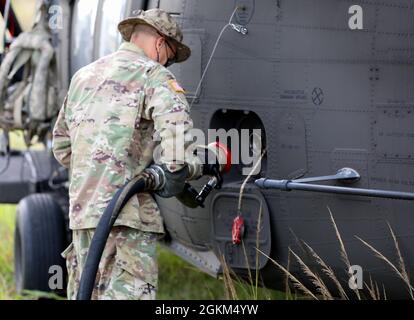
104 135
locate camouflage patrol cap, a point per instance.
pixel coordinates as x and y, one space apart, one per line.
163 23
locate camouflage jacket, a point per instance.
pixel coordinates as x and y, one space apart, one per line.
104 134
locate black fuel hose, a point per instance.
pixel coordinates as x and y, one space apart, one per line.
88 277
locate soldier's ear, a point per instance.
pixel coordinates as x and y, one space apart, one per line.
158 43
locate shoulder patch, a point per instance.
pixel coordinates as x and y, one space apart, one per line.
175 86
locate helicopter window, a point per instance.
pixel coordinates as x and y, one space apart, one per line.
83 28
110 38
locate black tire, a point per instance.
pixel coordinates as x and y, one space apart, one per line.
40 237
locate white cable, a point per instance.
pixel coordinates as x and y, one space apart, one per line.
211 56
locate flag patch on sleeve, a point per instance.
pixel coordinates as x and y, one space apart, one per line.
175 86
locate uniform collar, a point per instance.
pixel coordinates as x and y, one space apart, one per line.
129 46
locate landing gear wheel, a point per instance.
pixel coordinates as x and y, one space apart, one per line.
40 237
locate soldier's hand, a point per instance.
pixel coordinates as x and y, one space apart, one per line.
174 182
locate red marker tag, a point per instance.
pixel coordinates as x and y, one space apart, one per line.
237 230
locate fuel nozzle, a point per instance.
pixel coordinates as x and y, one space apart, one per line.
212 160
208 187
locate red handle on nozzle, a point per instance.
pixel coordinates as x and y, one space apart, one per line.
223 155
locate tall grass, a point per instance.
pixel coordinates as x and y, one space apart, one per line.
400 269
6 252
321 290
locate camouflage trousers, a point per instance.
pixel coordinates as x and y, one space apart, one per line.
128 269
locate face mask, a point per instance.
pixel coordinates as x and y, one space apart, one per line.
158 54
169 61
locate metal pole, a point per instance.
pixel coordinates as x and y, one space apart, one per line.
287 185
